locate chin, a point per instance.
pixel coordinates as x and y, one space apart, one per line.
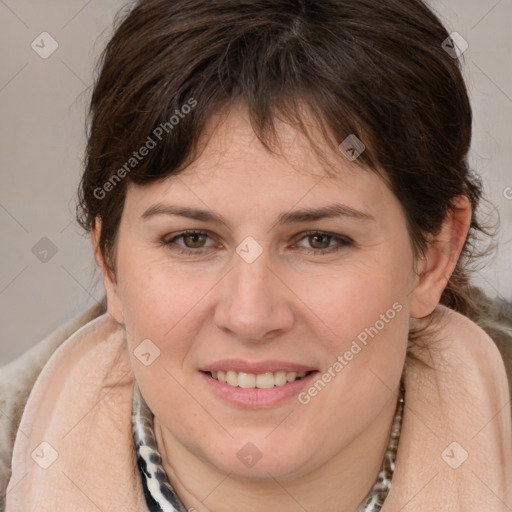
261 461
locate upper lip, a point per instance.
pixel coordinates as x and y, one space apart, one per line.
240 365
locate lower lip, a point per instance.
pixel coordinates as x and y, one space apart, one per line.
257 398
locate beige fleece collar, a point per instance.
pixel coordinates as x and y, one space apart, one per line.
455 450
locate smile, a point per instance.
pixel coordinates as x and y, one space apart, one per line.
265 380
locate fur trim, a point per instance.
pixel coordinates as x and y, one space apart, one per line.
16 381
495 318
18 377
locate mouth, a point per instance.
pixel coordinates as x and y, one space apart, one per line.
266 380
257 385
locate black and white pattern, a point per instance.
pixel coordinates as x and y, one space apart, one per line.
160 496
378 493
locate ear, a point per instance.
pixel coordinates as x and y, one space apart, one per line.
114 303
436 266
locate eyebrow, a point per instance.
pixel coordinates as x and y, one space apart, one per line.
295 216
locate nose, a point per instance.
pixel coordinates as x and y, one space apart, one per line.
254 303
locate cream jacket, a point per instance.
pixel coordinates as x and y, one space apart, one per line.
455 451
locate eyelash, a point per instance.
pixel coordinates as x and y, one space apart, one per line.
343 242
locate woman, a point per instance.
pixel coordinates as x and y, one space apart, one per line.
279 200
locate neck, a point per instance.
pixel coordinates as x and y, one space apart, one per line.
339 485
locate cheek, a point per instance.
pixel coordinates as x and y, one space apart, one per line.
357 296
158 296
161 307
368 322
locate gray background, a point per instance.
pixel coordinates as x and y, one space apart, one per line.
42 137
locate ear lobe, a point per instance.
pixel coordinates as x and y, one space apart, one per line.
114 303
436 266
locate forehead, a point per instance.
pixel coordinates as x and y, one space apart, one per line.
230 137
234 170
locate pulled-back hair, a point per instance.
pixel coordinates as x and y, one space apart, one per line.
374 69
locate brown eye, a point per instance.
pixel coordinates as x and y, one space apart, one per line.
196 240
319 241
189 242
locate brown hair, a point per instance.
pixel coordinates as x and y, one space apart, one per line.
374 69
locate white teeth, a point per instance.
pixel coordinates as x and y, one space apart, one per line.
265 380
246 380
280 378
291 376
232 378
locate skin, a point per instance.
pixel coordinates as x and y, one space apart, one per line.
289 304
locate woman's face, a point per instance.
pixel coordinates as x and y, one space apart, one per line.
252 293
